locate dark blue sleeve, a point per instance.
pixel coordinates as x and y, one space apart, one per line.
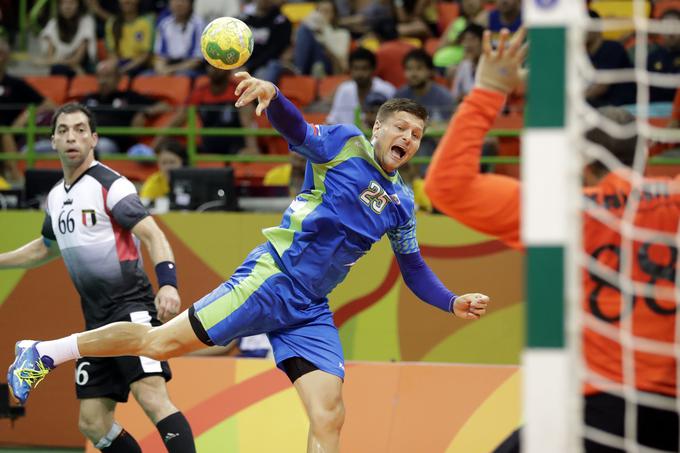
287 119
318 143
423 282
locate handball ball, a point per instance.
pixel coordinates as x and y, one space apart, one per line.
226 43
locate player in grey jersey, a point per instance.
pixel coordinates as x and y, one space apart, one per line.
93 219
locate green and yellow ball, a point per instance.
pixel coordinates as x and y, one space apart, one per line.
227 43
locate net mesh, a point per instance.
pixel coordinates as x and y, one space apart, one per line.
625 336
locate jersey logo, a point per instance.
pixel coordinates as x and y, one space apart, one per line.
89 217
375 197
67 202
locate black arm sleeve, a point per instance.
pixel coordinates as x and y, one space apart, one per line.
47 231
129 211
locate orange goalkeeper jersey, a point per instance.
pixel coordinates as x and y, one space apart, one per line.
490 204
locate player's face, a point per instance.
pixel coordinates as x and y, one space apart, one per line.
417 73
396 139
73 139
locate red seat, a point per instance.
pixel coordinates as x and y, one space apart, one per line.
299 89
390 56
328 85
53 87
446 13
82 85
431 46
661 6
174 89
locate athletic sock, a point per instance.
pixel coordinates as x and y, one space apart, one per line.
61 350
118 441
176 434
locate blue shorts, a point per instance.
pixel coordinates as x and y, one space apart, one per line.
260 298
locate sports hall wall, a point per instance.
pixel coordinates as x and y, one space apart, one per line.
382 326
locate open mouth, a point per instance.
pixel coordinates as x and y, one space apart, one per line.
398 151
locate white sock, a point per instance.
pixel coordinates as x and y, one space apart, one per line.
61 350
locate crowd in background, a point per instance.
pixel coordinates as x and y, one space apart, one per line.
363 51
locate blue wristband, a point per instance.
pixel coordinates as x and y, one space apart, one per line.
166 274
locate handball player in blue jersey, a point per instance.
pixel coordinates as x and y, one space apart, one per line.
351 197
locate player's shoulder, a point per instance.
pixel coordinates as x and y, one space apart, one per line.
57 188
337 136
336 130
104 175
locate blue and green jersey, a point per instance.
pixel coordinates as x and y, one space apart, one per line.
348 202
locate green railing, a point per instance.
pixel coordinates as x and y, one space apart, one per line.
191 133
28 20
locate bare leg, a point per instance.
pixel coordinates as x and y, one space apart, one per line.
96 417
172 339
321 394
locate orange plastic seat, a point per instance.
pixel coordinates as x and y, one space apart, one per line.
54 87
446 13
174 89
82 85
390 56
431 46
328 85
661 6
299 89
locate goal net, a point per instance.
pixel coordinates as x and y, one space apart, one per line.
600 226
622 288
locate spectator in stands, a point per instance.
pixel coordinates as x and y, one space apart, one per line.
321 47
271 35
506 14
129 38
450 51
666 57
15 96
171 155
9 17
208 10
464 80
177 47
214 100
351 94
416 18
113 107
606 54
675 113
420 86
69 41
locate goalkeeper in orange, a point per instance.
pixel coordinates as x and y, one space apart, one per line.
491 204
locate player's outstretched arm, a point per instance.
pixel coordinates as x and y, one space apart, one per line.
35 253
426 285
485 202
284 116
167 298
250 89
471 306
